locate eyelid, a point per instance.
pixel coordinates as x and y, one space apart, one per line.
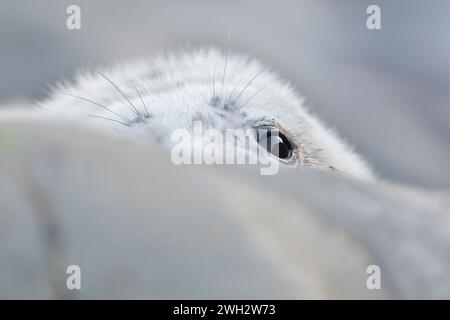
286 133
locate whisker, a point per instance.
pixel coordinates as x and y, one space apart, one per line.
214 80
147 115
248 84
106 118
95 103
118 89
226 60
224 71
234 89
253 95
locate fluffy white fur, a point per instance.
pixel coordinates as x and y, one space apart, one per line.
223 90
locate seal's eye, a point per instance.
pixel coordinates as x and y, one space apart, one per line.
275 142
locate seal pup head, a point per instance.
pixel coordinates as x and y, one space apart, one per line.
147 99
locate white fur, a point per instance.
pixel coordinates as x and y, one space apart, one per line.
178 88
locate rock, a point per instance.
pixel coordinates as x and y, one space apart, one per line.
139 226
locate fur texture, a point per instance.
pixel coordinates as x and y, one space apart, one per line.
146 100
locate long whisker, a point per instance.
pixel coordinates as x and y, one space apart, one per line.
226 60
214 80
95 103
106 118
224 71
120 91
248 84
147 114
253 95
234 89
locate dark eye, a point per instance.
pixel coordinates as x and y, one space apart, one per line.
275 142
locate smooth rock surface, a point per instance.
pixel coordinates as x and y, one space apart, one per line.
140 227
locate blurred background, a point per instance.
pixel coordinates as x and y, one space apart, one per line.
387 91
